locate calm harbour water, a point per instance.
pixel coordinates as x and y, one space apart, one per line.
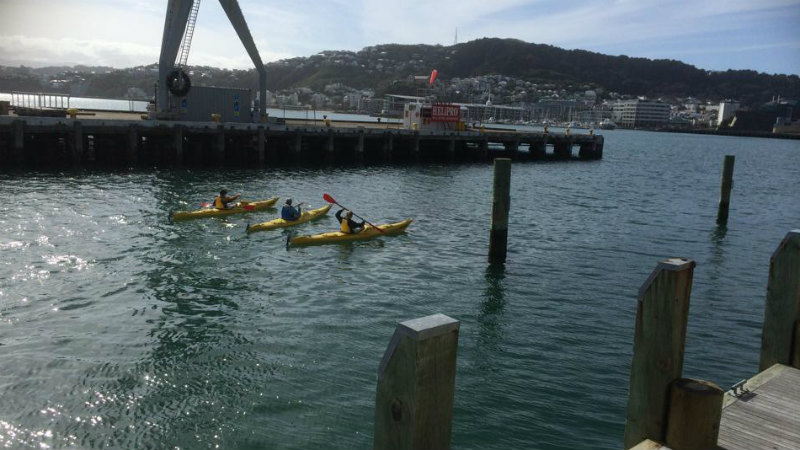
120 329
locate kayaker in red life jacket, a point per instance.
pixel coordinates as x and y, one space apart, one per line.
289 212
348 225
222 200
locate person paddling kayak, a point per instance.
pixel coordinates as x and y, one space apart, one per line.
348 225
222 200
289 212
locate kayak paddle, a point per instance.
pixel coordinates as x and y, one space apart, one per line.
327 197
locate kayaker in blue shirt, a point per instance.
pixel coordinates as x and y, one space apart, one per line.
348 225
289 212
222 200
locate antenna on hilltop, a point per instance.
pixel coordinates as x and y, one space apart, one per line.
455 40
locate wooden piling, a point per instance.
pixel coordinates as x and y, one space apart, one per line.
695 410
661 316
501 203
18 129
388 149
725 190
416 383
298 144
451 150
76 148
177 142
132 145
219 145
782 310
260 145
360 147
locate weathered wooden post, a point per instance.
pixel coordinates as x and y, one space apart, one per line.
219 145
298 143
360 147
501 203
132 145
330 154
388 149
725 190
782 310
18 127
416 383
695 410
177 142
451 150
77 142
661 315
415 153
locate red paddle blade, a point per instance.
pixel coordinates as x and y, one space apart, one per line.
328 198
205 205
249 207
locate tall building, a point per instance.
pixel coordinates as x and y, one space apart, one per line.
641 113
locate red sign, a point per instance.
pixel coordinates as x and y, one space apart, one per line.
445 113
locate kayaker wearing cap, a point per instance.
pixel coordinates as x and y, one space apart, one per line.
289 212
222 200
348 225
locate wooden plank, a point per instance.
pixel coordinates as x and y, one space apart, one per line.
660 334
768 416
782 310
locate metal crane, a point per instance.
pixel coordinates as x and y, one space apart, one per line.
179 26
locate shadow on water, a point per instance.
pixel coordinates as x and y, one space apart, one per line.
490 317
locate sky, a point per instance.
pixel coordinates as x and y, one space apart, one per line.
761 35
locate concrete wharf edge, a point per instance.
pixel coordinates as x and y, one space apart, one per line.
56 140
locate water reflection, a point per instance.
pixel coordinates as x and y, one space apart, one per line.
490 318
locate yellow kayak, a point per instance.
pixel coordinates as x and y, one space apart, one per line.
238 208
306 216
389 229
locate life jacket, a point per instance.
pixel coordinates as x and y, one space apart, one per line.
218 203
346 226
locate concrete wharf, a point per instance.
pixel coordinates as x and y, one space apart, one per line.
127 140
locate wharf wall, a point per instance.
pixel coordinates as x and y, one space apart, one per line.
49 141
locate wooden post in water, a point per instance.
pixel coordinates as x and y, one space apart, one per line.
416 383
330 155
501 203
725 190
695 410
782 309
451 150
661 315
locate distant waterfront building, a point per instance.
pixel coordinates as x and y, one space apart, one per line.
726 110
641 113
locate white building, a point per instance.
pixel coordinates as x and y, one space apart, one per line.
726 111
641 113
